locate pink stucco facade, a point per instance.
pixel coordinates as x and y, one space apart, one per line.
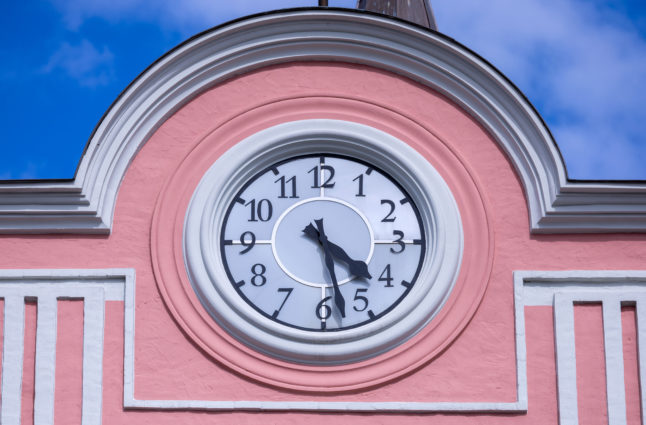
467 354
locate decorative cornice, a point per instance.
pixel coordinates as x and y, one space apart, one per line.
556 204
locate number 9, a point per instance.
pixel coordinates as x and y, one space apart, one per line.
247 245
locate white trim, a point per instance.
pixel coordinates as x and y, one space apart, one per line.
93 329
46 332
614 354
88 284
562 290
12 358
86 204
565 361
46 287
640 310
607 287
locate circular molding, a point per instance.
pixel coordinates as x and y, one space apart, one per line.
439 215
171 276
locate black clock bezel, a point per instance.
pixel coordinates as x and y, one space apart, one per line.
371 318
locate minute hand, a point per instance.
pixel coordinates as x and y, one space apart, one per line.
329 263
357 268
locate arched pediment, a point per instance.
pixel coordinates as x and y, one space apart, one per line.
556 204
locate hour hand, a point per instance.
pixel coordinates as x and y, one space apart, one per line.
357 268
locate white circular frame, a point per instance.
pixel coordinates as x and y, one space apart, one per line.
305 201
438 210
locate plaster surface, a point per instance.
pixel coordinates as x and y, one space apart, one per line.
477 366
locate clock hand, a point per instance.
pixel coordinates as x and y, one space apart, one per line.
357 268
329 263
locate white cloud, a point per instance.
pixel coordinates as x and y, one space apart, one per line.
582 65
85 63
29 171
187 17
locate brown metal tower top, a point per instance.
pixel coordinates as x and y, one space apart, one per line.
416 11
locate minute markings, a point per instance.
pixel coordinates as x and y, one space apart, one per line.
272 186
406 241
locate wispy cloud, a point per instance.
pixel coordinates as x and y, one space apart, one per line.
85 63
30 171
582 65
187 16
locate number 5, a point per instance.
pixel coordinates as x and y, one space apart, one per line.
361 298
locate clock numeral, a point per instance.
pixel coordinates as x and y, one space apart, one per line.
323 311
248 245
360 193
289 292
386 277
361 298
283 187
258 278
399 241
327 184
391 205
263 211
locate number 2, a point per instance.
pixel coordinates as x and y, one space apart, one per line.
391 205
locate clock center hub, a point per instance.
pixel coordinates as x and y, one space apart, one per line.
302 258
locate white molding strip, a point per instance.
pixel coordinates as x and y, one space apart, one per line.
518 406
94 287
86 204
565 361
612 289
640 310
97 286
12 357
93 328
46 333
562 290
613 344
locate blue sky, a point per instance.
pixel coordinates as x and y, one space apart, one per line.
582 63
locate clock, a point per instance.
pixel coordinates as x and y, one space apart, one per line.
322 243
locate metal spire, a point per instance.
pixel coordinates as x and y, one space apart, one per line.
416 11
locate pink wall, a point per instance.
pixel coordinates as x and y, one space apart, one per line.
478 365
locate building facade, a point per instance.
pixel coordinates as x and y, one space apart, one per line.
315 215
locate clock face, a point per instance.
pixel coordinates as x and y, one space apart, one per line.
322 243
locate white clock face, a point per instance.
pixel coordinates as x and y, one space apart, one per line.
322 243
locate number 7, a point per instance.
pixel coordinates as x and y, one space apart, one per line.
289 292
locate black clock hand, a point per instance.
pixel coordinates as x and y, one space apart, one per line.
357 268
329 263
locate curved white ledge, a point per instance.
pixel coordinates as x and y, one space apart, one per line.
86 204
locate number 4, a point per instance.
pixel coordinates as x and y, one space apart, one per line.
387 278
